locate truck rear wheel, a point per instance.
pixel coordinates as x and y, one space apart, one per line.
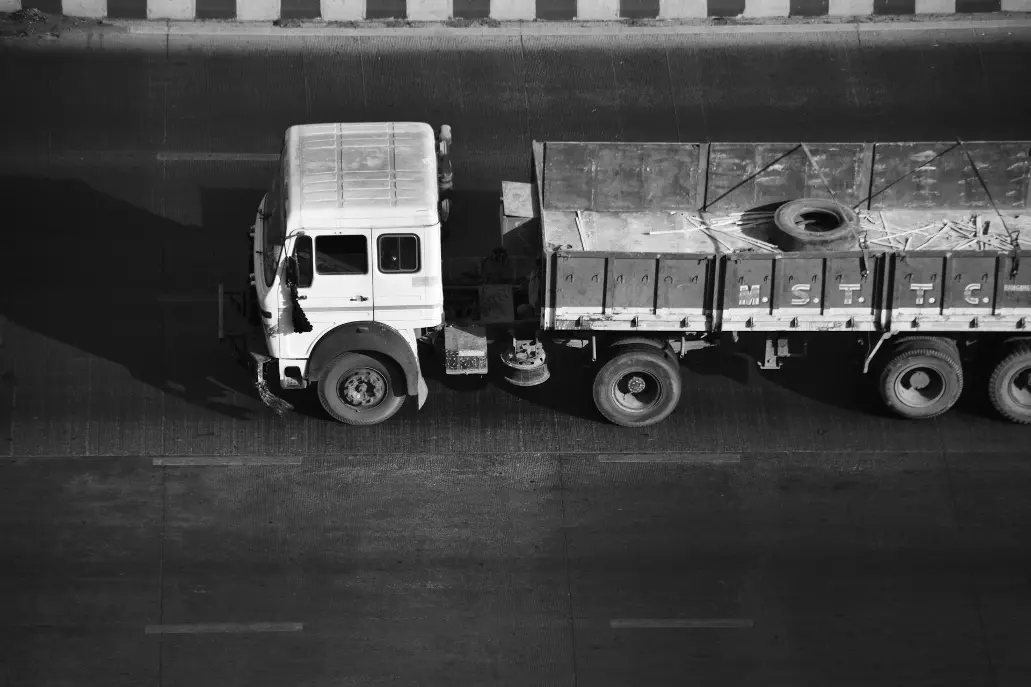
1010 386
637 386
923 380
358 389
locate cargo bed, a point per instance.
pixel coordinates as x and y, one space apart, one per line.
680 237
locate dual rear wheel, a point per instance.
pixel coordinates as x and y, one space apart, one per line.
923 378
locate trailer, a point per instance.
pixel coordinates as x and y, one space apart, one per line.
915 257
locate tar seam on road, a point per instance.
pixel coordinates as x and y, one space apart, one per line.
673 93
669 458
526 90
569 578
185 297
161 575
222 628
180 461
361 67
677 623
216 157
976 597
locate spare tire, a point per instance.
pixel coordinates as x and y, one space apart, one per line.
818 224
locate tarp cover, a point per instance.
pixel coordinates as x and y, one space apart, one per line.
735 177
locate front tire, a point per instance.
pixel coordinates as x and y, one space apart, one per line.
1010 386
358 389
922 381
637 386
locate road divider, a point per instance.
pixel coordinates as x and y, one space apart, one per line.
464 13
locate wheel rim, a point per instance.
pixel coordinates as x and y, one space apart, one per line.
636 391
1020 387
920 387
363 388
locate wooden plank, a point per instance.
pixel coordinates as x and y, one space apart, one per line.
910 176
682 283
579 282
798 284
753 176
1014 291
969 282
633 283
614 177
1004 169
919 283
702 178
748 283
865 180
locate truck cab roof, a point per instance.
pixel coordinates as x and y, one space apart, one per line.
377 175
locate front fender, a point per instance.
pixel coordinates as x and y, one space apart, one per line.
373 337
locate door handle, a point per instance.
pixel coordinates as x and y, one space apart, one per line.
301 298
359 298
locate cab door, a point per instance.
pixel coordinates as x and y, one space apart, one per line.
334 287
400 281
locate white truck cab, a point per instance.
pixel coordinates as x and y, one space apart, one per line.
346 262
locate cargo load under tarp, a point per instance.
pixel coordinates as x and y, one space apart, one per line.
720 197
682 237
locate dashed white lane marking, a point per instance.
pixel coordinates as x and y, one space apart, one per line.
223 628
675 623
183 461
669 458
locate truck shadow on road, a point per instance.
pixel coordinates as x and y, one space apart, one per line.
820 378
114 281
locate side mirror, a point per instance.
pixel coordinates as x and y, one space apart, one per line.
291 271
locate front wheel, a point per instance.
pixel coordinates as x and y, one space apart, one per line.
1010 386
637 387
358 389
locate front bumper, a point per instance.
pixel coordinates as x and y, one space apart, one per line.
240 327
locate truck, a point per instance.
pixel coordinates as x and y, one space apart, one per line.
910 258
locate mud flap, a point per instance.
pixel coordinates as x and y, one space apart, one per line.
278 405
244 339
423 392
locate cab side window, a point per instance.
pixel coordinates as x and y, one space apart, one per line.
398 253
341 255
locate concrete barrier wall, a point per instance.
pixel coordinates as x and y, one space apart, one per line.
503 10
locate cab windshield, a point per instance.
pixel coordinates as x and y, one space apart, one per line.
272 245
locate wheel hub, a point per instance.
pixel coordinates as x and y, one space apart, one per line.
920 388
363 388
1020 387
637 391
635 385
920 380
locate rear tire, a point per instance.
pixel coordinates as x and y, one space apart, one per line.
637 386
923 380
1010 386
358 389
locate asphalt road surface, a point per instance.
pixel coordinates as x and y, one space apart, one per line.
795 534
